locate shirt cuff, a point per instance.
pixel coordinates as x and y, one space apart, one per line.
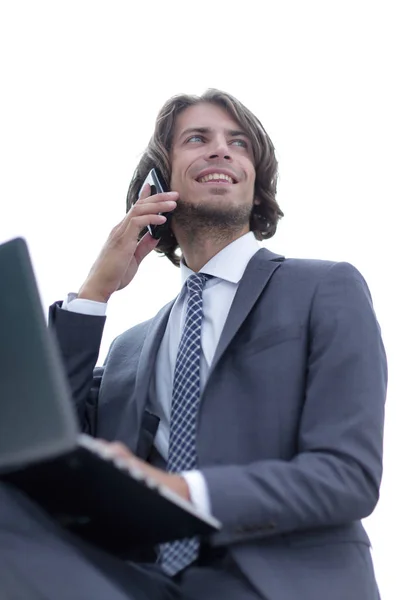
198 490
84 306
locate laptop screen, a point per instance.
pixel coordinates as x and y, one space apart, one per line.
36 415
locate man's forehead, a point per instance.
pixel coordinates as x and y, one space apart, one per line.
204 116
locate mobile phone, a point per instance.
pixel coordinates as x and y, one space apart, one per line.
157 186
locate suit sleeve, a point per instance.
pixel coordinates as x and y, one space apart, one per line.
79 338
335 477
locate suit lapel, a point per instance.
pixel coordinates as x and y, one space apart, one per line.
255 278
145 370
148 355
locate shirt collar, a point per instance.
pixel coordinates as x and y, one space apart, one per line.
230 263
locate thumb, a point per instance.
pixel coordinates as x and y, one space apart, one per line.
144 247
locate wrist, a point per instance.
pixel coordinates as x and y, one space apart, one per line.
88 293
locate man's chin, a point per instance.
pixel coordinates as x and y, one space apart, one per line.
211 214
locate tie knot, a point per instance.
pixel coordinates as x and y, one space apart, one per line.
196 282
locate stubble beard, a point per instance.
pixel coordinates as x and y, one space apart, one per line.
211 219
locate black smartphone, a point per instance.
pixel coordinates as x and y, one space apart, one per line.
157 186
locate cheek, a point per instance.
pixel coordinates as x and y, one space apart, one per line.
178 170
174 162
174 182
251 178
252 174
253 183
247 166
182 177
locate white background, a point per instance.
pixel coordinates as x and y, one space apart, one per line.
82 82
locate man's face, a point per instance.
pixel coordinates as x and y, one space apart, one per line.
212 163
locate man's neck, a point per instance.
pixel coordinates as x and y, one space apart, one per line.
197 250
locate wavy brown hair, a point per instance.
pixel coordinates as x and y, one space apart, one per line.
265 216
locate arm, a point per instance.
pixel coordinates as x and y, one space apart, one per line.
85 381
79 337
335 477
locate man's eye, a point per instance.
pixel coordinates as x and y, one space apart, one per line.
240 142
196 138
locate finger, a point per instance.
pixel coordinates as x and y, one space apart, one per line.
144 247
139 210
145 192
128 231
141 222
112 449
145 210
132 231
150 198
152 207
120 449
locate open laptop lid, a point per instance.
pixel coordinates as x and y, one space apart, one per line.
36 415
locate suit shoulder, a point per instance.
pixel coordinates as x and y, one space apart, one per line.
317 274
129 343
137 332
318 269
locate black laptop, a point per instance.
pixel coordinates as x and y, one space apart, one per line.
41 449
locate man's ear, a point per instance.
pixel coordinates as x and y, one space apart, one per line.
257 201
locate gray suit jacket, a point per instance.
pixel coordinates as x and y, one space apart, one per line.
290 423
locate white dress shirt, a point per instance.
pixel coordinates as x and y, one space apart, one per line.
227 268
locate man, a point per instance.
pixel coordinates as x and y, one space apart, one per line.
258 394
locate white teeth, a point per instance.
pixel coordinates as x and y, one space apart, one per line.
215 176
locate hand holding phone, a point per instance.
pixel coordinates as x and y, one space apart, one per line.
120 257
157 186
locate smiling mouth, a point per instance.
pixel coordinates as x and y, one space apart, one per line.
219 178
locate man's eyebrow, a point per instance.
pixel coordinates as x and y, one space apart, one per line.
207 130
236 132
194 130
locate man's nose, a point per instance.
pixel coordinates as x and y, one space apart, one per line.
220 149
